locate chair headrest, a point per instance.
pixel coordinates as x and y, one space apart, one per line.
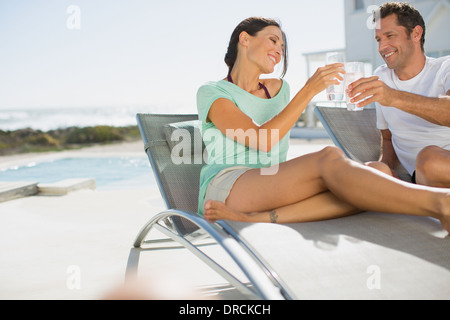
184 137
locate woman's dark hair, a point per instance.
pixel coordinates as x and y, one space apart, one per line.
252 26
407 16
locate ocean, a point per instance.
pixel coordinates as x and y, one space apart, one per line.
46 119
109 172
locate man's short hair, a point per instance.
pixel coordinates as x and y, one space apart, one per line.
407 16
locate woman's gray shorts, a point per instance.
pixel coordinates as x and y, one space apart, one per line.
220 186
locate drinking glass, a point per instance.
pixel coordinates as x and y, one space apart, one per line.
335 92
354 71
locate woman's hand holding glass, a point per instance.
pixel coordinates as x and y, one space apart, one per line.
325 76
335 92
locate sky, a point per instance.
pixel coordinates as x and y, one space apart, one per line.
82 53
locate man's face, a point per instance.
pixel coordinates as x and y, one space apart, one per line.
395 45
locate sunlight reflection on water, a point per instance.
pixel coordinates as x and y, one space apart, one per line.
109 173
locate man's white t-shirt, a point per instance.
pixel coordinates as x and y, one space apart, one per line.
410 133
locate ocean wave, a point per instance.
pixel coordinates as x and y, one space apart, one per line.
46 119
13 115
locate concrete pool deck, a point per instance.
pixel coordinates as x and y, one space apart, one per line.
77 246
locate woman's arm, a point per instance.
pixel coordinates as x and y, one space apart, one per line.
231 121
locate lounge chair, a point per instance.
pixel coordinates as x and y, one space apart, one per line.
366 256
355 133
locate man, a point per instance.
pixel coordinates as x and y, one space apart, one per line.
412 96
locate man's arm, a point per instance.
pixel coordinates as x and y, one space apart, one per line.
388 155
435 110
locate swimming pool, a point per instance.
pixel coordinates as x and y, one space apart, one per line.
109 173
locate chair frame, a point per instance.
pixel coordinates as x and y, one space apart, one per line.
263 281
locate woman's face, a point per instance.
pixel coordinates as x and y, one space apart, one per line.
265 49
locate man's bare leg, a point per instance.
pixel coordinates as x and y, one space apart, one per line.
433 167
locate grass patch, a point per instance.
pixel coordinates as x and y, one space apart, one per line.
29 140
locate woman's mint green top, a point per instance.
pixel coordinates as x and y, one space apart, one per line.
224 152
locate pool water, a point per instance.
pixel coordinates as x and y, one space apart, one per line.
109 173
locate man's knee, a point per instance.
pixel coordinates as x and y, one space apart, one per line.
429 163
380 166
427 159
429 153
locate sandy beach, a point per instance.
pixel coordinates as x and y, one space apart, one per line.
77 246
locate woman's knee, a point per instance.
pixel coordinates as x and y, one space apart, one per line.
331 153
330 157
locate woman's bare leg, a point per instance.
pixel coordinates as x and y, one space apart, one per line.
369 189
320 207
360 187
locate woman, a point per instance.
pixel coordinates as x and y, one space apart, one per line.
251 118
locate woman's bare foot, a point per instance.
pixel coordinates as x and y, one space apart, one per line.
216 210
